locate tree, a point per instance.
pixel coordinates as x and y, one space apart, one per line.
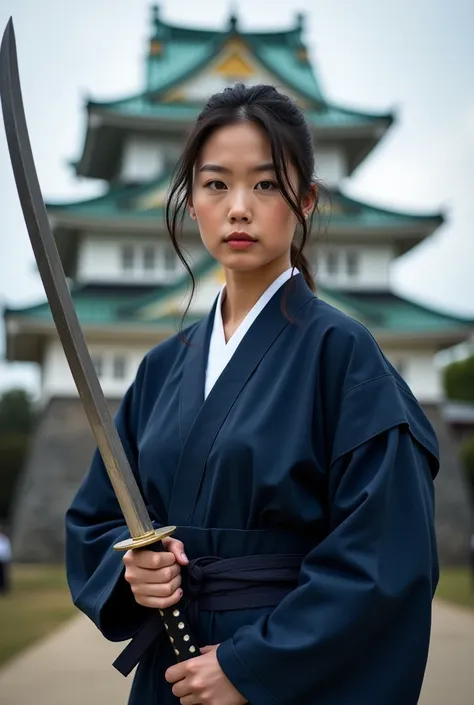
16 412
16 424
458 379
467 458
12 454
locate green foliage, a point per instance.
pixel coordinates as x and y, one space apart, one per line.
16 412
17 419
467 459
12 453
458 379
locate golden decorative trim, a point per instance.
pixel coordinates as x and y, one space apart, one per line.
153 199
235 65
302 54
156 48
174 95
145 540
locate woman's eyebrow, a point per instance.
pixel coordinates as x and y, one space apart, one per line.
269 166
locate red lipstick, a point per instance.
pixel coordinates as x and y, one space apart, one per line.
240 240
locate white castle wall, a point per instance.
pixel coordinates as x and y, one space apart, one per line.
153 261
117 365
420 371
330 165
365 267
144 158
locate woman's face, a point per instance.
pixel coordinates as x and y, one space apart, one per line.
235 195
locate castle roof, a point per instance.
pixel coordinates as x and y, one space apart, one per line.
178 56
157 312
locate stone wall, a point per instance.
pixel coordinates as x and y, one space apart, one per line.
60 455
58 459
453 512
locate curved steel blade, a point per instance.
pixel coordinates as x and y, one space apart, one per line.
59 298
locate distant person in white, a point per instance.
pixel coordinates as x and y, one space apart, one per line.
5 562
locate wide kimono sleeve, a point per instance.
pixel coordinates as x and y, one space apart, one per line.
94 523
357 627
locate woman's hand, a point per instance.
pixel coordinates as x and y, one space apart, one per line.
155 577
201 681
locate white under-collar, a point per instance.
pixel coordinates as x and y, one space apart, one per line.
221 352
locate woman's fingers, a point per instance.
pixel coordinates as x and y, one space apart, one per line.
176 548
150 560
155 577
159 602
157 589
133 574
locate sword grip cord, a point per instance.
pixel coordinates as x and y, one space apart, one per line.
177 628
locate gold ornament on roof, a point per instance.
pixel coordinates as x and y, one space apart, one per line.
154 199
234 62
302 54
235 65
156 48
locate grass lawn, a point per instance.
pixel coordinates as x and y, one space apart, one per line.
37 603
456 585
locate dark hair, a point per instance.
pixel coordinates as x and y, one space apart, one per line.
290 141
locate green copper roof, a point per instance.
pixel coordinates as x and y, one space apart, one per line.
144 106
388 312
186 51
96 307
382 312
92 305
178 55
145 202
117 200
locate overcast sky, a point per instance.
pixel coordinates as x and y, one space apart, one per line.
412 56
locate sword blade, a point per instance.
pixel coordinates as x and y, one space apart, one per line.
57 292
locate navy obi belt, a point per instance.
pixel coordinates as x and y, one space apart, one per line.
220 584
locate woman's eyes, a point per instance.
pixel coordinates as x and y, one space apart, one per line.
220 185
270 184
209 184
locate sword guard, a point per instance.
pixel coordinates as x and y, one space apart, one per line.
146 539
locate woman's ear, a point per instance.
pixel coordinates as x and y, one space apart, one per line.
310 200
192 213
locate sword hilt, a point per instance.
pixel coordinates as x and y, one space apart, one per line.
181 638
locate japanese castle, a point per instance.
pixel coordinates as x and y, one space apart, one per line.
128 285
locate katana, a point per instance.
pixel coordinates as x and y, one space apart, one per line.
142 532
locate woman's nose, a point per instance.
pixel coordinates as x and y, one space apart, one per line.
240 209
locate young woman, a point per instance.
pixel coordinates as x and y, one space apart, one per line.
283 445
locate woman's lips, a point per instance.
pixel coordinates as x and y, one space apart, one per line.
240 244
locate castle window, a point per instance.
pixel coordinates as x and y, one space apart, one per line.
170 260
332 262
98 362
149 258
119 367
127 254
352 263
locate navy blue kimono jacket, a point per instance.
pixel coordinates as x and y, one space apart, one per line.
309 444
